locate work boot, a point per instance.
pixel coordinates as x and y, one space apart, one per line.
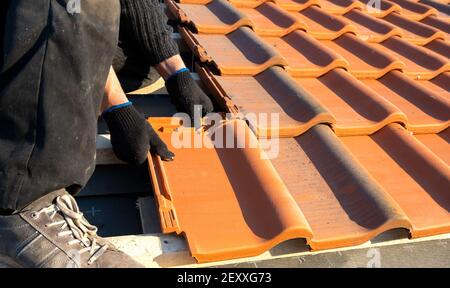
52 233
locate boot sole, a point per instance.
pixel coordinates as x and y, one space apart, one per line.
7 262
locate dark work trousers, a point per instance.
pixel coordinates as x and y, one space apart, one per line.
54 65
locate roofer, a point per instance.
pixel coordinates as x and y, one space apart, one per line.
55 61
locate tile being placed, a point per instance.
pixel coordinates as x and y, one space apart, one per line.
343 205
428 111
439 144
366 61
340 6
357 109
229 203
414 31
322 25
216 17
412 174
420 63
270 92
239 52
306 56
371 29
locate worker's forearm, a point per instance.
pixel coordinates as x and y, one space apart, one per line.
114 94
170 66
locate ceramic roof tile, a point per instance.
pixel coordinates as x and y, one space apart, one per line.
439 144
270 20
411 173
357 109
305 55
440 84
420 63
247 3
385 8
441 5
239 52
438 23
365 60
427 111
323 25
272 91
415 32
220 17
215 17
439 46
340 6
296 5
341 202
236 204
414 10
370 28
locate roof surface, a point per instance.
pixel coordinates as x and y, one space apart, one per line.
363 98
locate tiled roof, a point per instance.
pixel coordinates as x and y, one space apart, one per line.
363 98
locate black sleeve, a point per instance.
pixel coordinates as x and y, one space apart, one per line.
145 24
3 11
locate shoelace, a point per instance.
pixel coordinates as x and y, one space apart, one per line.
81 231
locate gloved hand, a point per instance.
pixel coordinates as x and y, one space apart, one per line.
132 136
185 94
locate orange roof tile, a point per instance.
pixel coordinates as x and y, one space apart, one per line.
363 100
235 205
413 175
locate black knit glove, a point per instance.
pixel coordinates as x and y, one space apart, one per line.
185 94
132 136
